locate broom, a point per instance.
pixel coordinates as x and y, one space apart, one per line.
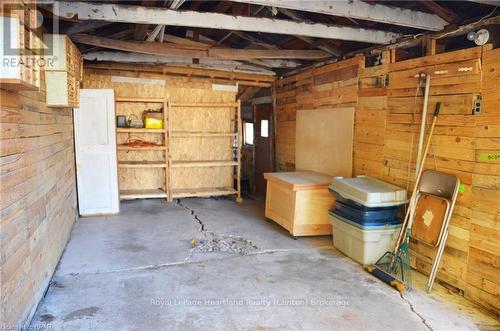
390 268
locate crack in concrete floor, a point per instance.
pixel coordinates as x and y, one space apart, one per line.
215 242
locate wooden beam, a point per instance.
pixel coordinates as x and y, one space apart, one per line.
297 17
243 54
446 14
247 79
146 15
486 2
357 9
165 49
82 27
417 40
125 57
141 30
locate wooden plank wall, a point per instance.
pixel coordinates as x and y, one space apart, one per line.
38 198
331 86
387 121
179 90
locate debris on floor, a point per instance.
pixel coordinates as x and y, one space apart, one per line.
213 242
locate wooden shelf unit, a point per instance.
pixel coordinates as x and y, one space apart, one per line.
20 70
142 165
202 163
188 134
142 194
139 130
235 132
202 192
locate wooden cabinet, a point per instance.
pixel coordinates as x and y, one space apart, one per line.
63 71
21 56
299 202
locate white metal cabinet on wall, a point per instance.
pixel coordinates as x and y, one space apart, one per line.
95 148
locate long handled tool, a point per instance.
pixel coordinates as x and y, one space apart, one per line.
390 267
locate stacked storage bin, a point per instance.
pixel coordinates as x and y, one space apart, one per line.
364 220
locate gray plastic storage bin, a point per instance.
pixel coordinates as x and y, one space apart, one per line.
368 191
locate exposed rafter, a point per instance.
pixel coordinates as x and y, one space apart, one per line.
164 49
446 14
486 2
145 15
360 10
87 26
297 17
122 57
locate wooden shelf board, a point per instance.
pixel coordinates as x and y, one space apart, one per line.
142 164
146 148
201 134
208 105
16 84
202 163
139 130
142 194
141 100
202 192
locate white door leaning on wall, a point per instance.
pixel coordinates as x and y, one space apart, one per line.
95 147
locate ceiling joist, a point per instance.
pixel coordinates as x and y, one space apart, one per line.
148 15
166 49
357 9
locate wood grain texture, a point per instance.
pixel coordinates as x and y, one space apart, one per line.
299 202
185 118
38 198
387 117
323 141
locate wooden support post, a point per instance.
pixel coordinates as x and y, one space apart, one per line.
239 199
166 142
393 55
168 137
429 45
386 57
275 124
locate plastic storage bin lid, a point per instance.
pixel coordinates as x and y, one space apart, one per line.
369 191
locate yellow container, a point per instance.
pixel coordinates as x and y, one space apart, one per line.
153 123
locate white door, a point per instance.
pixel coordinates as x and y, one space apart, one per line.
95 147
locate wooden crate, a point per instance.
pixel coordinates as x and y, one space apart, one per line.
299 202
63 70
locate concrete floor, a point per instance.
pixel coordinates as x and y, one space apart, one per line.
138 271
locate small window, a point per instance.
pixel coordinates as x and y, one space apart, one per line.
248 133
264 128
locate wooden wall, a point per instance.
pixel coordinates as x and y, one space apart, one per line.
38 198
330 86
387 118
179 90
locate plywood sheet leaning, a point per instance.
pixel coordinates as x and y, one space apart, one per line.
324 141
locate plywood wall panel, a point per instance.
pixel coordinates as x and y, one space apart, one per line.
182 119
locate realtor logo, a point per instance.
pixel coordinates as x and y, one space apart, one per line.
20 29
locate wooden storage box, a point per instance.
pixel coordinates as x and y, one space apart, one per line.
63 90
18 70
63 71
299 202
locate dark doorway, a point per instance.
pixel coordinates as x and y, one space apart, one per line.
263 140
